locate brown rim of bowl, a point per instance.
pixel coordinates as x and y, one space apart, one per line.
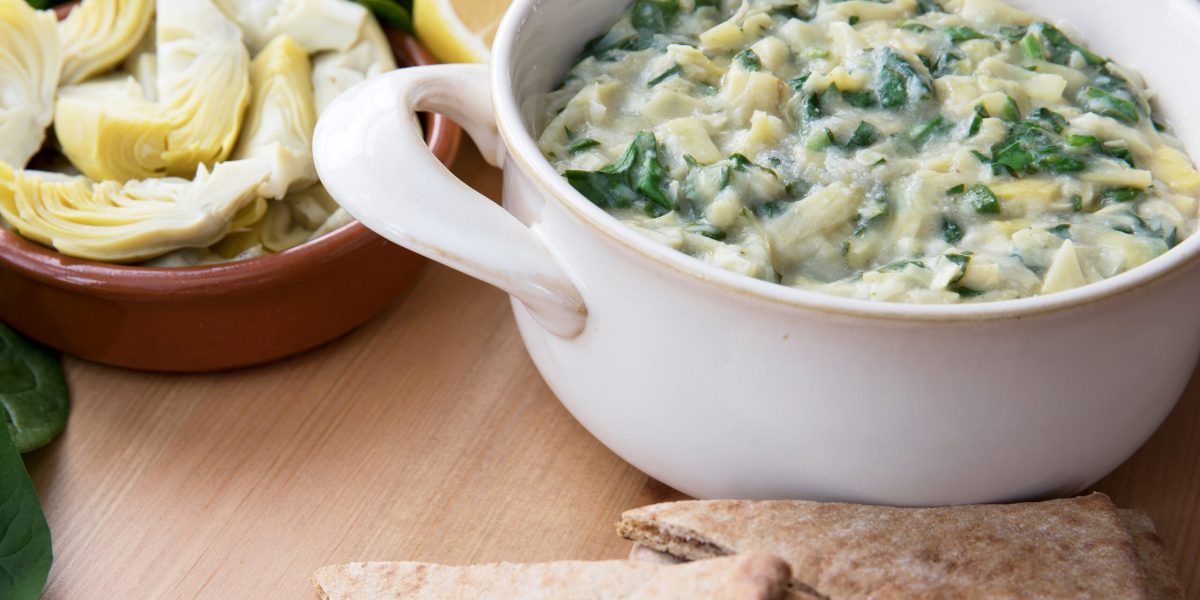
112 280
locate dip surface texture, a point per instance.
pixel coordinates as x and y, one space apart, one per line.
907 151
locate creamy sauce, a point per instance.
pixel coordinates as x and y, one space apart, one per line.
910 151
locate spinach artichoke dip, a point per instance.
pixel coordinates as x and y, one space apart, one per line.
902 150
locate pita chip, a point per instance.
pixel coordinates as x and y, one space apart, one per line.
1073 548
748 577
1156 561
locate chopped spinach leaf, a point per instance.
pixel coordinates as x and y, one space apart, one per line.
582 144
897 80
1108 104
636 178
853 20
748 60
707 230
864 135
962 33
1010 111
901 265
981 113
859 99
875 211
1058 48
928 6
951 231
1062 230
913 26
922 133
798 82
981 198
1115 195
1077 203
665 75
956 190
653 15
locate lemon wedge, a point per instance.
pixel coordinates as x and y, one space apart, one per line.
458 31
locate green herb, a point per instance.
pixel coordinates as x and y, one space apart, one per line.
928 6
964 292
636 178
389 12
665 75
1118 152
1107 104
913 26
900 265
1077 203
1062 230
828 99
1116 195
793 11
654 15
605 49
24 534
944 63
822 141
582 144
1032 48
897 79
951 232
956 190
1049 119
923 132
810 109
859 99
798 82
771 210
748 60
873 212
1082 141
853 20
864 135
981 198
962 33
1012 33
961 260
981 113
1010 111
1058 48
33 391
707 230
1033 145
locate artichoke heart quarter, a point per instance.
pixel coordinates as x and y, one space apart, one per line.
280 121
99 34
130 222
336 72
203 87
317 25
30 62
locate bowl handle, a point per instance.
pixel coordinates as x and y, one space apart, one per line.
371 157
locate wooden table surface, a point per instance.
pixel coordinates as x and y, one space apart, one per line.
425 435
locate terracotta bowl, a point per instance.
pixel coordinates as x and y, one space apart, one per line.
214 317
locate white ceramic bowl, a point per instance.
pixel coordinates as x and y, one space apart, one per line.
724 386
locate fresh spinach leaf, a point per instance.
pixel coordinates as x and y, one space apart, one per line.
25 552
859 99
864 135
1058 48
582 144
33 392
981 113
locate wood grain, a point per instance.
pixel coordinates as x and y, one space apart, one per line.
425 435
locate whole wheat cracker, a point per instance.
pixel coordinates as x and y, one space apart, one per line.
1073 548
747 577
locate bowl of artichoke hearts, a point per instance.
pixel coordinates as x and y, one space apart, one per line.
160 208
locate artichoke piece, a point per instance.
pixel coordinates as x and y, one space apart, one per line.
287 223
202 88
99 34
336 72
130 222
280 122
30 61
317 25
